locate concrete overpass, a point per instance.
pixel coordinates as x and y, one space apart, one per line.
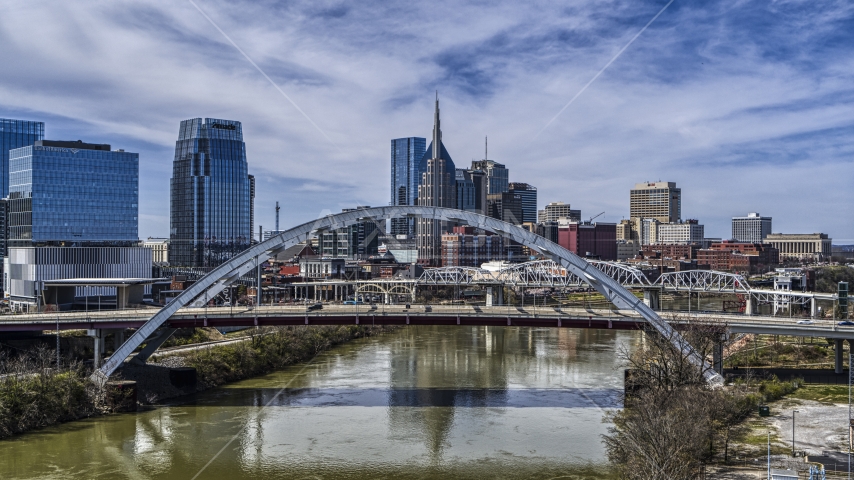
100 324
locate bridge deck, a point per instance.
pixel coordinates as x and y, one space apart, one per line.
417 315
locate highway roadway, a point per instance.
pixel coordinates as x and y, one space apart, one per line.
337 314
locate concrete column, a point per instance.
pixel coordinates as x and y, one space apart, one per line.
118 338
652 298
718 358
813 307
98 335
838 344
750 305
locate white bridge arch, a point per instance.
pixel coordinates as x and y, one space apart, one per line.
218 279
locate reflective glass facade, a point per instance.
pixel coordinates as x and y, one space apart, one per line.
15 134
81 194
497 175
406 156
211 194
466 192
528 194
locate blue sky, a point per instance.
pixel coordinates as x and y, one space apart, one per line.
748 106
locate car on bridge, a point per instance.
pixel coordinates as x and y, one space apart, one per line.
353 302
805 322
316 306
845 323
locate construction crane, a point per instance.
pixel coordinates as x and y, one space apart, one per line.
594 218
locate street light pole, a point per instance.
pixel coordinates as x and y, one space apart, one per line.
769 454
793 432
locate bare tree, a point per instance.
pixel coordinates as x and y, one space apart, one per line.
665 434
670 423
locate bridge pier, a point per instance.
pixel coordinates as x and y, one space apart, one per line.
652 298
813 308
494 296
718 357
750 305
838 346
118 338
98 334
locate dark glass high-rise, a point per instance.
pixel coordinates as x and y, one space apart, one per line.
406 155
211 194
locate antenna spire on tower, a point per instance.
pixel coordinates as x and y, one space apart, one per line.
437 130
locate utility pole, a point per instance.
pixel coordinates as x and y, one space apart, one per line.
258 275
793 432
277 217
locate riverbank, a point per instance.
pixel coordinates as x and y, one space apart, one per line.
34 395
268 349
821 432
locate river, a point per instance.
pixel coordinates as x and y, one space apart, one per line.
422 402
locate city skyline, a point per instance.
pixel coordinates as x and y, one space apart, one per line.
698 99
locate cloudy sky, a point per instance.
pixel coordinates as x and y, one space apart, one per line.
748 106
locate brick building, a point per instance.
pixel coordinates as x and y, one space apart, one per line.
739 257
590 239
464 248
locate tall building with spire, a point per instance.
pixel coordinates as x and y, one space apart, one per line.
437 189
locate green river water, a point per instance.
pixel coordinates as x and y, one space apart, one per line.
422 402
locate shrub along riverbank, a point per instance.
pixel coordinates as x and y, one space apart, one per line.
272 349
34 394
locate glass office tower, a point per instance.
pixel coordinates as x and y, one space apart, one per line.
72 192
211 196
528 195
15 134
406 156
72 213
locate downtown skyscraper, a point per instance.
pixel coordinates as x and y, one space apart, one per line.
211 204
406 155
438 188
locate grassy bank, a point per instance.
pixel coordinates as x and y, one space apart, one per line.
782 352
273 349
34 394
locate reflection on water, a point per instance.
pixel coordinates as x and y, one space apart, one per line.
424 402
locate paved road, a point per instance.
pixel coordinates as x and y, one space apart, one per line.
337 314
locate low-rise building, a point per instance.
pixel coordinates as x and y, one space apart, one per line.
689 231
159 249
627 249
626 230
676 252
739 257
801 246
465 248
556 211
597 240
315 268
752 229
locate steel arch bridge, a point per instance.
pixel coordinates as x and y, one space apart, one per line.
218 279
